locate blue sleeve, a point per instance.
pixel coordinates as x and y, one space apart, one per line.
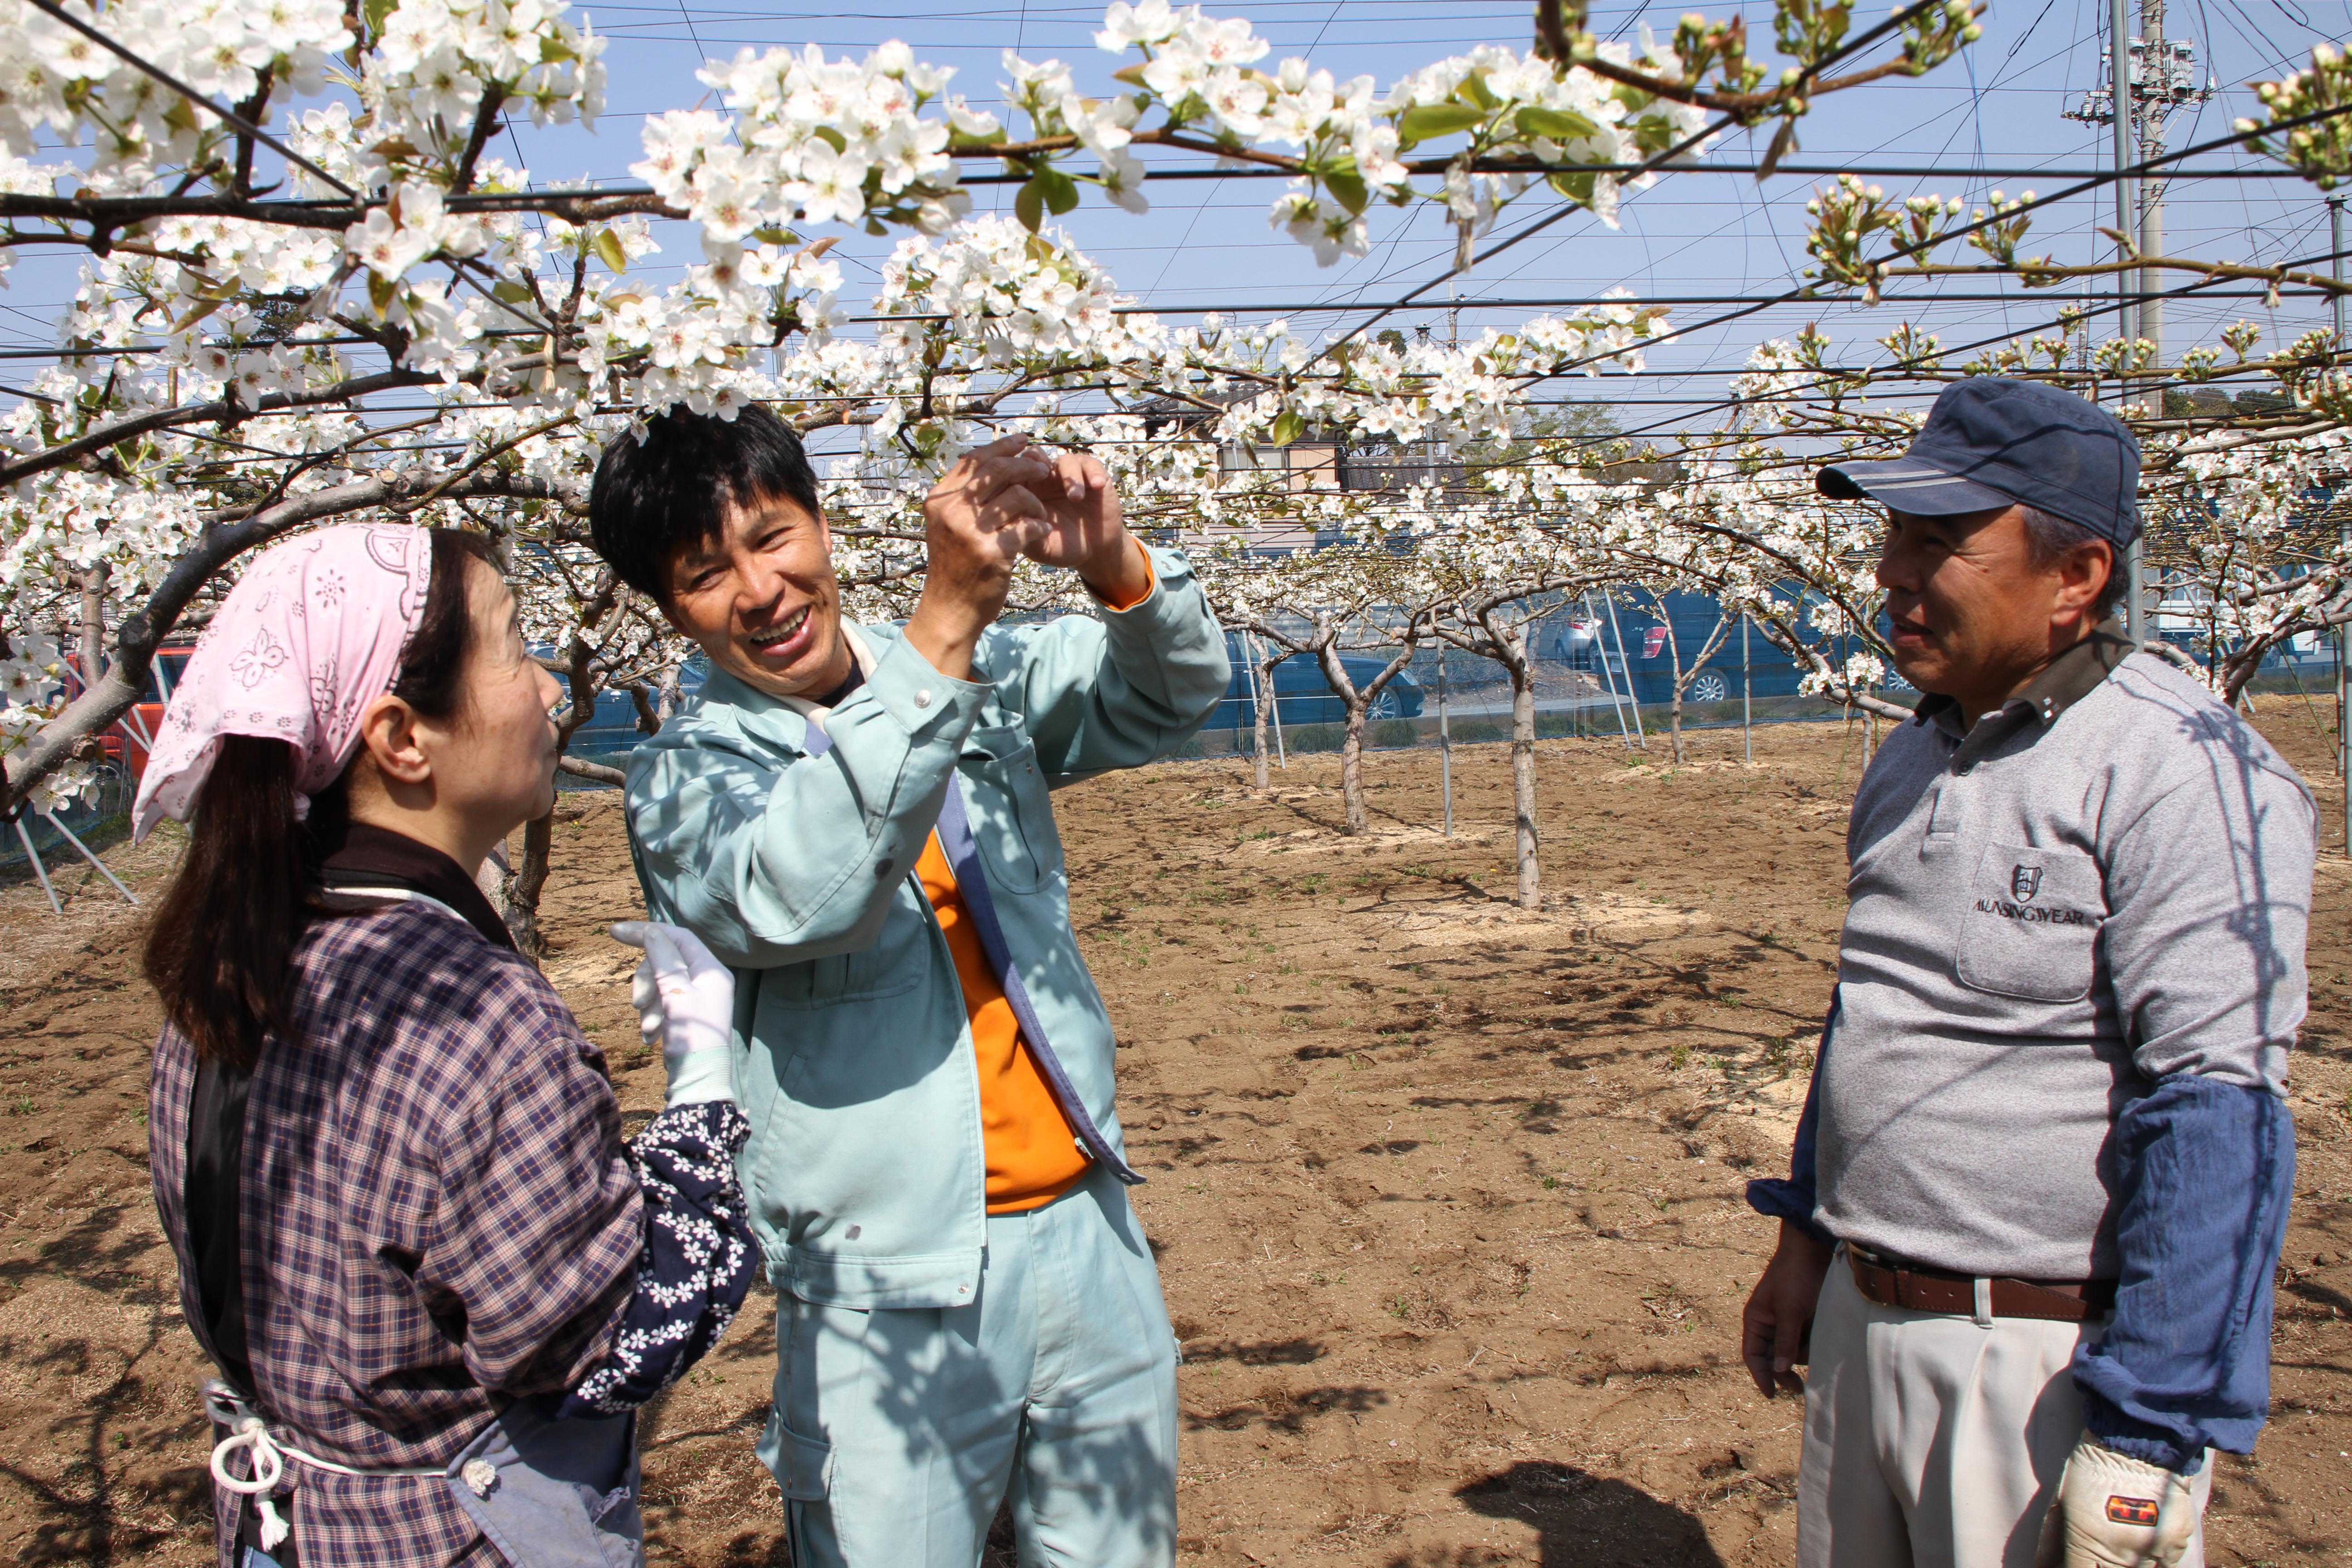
772 856
695 1267
1120 690
2203 1170
1795 1198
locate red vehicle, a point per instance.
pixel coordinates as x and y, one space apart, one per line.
128 740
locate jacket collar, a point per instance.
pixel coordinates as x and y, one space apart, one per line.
362 854
2042 701
749 700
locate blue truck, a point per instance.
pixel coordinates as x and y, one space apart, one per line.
1304 696
1587 638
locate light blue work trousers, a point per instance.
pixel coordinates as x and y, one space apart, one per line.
896 1432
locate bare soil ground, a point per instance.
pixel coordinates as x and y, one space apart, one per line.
1446 1196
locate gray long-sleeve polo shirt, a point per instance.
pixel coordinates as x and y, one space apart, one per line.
2104 883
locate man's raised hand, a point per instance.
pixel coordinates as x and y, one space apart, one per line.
1088 534
978 522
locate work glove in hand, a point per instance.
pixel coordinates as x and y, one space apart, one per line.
2115 1511
685 1004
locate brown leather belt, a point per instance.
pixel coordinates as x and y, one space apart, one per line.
1923 1290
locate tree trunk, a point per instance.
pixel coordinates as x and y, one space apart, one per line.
522 901
1265 706
495 876
90 655
1351 743
1675 658
1351 771
539 838
1523 769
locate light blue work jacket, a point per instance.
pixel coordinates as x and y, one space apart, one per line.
865 1172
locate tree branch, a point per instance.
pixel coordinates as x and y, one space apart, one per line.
143 630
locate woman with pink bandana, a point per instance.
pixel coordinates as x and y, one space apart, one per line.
436 1281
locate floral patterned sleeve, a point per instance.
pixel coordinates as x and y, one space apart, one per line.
696 1264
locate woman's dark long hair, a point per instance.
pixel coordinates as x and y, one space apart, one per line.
221 950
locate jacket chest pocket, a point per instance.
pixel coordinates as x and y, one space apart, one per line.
1012 816
899 958
2031 926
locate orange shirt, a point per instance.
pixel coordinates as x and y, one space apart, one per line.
1033 1156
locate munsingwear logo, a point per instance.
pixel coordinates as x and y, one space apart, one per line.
2024 882
2035 914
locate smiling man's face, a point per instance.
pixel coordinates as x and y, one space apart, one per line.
1974 616
763 600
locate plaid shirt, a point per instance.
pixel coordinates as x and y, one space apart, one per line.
437 1204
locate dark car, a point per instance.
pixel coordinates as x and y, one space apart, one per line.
1303 697
612 729
1650 661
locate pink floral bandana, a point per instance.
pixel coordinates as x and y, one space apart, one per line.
311 634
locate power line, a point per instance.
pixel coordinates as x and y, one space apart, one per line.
2108 305
239 121
1894 23
2007 215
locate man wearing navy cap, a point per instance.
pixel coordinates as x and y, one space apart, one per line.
2041 1178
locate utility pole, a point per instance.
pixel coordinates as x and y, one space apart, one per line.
2119 75
2148 77
2119 116
2343 549
2149 108
2164 78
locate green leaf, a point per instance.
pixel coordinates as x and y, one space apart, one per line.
1426 122
1029 204
830 137
1575 187
379 12
609 250
1350 191
775 234
1555 124
1061 191
1474 88
379 292
1288 427
511 292
552 48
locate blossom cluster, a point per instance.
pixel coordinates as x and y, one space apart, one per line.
58 82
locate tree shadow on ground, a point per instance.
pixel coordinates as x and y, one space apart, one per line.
1582 1520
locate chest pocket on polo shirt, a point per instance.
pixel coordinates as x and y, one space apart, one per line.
2031 926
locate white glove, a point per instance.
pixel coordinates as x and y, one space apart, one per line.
685 1004
2115 1511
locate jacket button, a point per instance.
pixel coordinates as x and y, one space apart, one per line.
922 700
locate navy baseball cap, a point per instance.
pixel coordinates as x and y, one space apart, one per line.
1990 441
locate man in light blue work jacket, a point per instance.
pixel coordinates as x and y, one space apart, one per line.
933 1354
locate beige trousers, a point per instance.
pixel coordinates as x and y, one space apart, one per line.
1934 1440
